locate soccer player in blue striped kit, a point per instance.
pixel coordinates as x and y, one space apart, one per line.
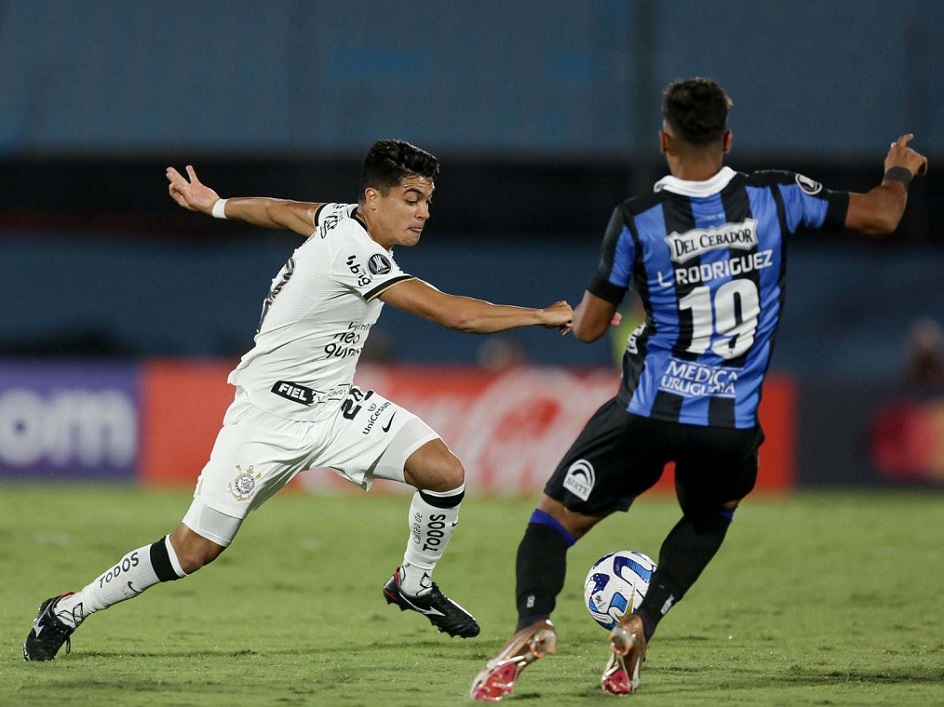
705 253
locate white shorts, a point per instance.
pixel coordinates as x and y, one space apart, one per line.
361 438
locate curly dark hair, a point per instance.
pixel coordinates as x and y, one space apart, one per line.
697 110
389 161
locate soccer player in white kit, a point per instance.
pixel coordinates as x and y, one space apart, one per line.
296 407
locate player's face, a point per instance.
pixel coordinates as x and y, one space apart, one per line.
399 217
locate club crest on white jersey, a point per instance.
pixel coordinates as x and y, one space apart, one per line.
244 483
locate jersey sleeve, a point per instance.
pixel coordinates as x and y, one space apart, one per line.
328 216
611 279
808 204
365 267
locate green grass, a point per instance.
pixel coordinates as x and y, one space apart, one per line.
825 599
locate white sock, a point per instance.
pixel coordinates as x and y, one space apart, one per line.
431 528
130 576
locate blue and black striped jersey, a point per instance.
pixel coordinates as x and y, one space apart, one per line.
707 260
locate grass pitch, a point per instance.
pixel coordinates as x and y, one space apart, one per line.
815 599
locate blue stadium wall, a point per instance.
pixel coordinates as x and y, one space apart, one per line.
555 78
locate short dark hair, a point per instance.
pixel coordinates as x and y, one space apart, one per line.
389 161
697 110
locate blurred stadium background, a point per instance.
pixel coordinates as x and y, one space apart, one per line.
122 313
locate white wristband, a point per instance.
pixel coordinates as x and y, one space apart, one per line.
219 208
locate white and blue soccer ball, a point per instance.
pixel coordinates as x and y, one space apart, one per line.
616 585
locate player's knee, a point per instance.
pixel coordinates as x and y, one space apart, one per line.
450 475
434 468
574 524
711 519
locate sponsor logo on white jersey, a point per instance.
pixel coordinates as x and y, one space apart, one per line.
688 245
580 479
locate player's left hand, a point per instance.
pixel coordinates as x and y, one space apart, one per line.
559 315
194 194
900 155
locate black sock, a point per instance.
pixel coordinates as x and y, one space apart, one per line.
540 570
686 551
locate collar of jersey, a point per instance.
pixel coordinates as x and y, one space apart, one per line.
357 217
711 186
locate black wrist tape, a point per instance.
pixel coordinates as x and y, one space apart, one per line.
899 174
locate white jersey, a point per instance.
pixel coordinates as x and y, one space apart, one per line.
317 317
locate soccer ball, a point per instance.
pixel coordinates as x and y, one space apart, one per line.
616 585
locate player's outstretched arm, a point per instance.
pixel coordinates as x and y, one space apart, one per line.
879 211
473 316
194 195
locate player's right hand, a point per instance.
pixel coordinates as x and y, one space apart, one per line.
194 194
900 155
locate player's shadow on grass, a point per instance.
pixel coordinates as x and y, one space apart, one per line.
796 677
879 677
170 653
435 648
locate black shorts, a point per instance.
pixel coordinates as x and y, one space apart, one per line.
618 455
